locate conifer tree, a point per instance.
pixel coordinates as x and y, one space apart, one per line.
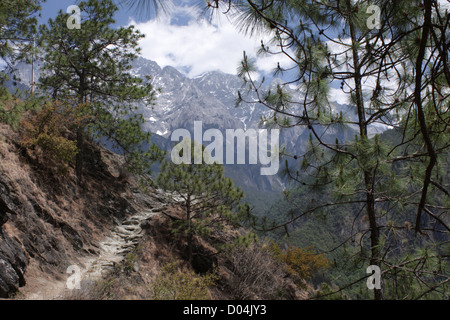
393 68
90 67
209 200
18 25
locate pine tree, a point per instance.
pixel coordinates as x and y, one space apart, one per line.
18 25
394 73
90 67
208 199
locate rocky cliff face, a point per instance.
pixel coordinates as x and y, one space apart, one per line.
114 232
13 263
47 219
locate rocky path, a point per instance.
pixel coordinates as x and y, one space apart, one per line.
122 240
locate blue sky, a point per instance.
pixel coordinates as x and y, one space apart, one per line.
192 45
183 40
51 8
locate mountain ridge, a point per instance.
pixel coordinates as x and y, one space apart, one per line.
210 98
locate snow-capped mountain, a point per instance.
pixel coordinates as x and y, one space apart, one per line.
210 98
182 100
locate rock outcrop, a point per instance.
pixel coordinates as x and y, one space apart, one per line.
13 263
122 240
48 219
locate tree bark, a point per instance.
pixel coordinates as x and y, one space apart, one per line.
80 134
368 172
190 236
421 115
79 156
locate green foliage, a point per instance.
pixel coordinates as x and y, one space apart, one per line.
48 130
345 249
327 293
57 148
130 262
209 200
300 263
91 66
433 269
176 284
104 289
12 108
369 189
18 26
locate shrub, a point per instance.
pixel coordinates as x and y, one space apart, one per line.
12 108
256 274
176 284
301 264
49 130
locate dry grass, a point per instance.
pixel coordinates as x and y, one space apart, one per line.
255 274
49 201
51 209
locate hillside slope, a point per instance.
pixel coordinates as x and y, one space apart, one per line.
109 228
48 220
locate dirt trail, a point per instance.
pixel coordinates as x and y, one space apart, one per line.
113 249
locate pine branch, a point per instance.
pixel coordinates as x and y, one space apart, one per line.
420 113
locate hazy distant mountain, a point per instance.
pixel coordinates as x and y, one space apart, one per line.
210 98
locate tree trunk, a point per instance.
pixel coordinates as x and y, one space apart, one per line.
420 113
374 231
190 235
79 156
368 172
80 133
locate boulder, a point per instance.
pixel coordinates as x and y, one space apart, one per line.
9 280
4 209
3 217
13 263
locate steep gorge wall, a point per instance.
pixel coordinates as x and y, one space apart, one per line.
48 220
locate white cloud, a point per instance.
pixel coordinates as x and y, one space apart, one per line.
337 95
199 46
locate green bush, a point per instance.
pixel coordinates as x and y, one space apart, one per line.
48 130
176 284
12 108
